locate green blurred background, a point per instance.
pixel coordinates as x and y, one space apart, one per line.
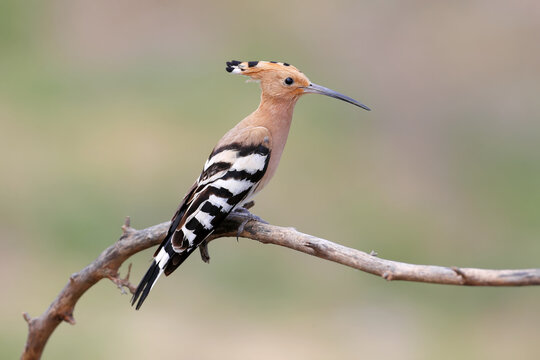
109 109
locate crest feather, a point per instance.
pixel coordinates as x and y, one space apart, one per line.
246 67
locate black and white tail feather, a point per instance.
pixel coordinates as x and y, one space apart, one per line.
229 178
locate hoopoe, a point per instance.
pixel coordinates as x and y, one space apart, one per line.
240 165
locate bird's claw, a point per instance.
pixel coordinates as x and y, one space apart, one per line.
243 212
241 228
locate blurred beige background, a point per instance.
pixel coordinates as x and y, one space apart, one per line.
109 109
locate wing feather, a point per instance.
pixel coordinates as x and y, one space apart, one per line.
218 194
233 173
230 176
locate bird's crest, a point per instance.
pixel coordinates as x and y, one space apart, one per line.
253 67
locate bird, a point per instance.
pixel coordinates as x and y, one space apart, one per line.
240 165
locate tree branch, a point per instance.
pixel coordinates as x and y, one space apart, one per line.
133 241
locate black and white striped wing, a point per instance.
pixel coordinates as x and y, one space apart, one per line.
230 176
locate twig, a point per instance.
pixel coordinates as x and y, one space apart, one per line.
133 241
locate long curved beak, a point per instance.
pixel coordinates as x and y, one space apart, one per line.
318 89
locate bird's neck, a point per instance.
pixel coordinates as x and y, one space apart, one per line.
275 114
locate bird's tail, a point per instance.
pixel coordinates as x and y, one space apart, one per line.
166 260
152 274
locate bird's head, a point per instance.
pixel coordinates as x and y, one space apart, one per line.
282 80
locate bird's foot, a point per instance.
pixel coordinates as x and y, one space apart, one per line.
244 213
205 255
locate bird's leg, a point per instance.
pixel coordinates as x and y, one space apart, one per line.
205 255
244 213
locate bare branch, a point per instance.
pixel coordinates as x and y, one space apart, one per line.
105 266
133 241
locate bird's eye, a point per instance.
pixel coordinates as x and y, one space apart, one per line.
289 81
